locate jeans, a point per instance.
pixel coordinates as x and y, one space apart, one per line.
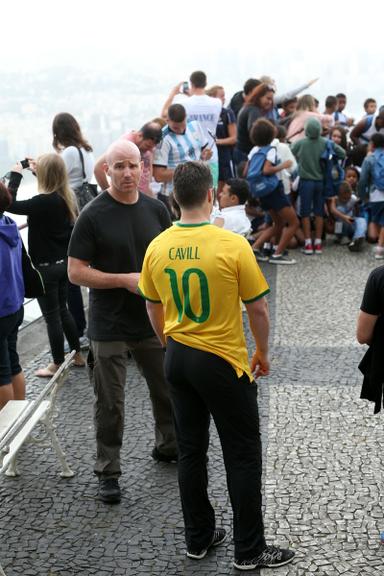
203 384
108 369
311 197
54 308
356 230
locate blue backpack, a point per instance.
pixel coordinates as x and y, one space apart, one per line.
378 170
259 183
333 171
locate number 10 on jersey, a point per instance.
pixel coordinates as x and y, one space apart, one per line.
181 292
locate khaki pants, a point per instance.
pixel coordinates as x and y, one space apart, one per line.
108 369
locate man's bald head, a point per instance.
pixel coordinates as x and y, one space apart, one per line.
122 150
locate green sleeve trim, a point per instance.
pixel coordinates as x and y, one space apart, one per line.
146 297
257 297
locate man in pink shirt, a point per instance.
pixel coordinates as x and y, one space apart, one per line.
146 139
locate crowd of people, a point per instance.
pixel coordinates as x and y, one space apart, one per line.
242 183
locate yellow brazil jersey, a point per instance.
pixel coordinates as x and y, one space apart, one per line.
199 272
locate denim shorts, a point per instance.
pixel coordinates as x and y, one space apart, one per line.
311 197
376 212
9 358
276 200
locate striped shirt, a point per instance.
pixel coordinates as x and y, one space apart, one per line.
175 149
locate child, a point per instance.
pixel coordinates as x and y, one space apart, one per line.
352 176
276 202
372 183
308 152
232 206
344 209
330 105
370 106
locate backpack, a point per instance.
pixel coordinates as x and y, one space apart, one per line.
259 183
378 170
332 169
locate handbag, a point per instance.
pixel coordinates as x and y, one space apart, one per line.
86 192
33 282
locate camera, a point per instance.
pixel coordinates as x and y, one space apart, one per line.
25 163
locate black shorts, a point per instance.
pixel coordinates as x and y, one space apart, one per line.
9 358
276 200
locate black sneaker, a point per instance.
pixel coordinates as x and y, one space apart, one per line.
271 557
161 457
281 259
261 254
109 490
219 536
356 245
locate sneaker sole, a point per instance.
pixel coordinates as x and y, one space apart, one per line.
203 554
254 566
274 261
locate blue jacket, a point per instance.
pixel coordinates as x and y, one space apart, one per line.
11 273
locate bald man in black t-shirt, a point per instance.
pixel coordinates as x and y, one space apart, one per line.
106 253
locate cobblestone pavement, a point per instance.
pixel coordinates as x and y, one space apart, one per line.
322 457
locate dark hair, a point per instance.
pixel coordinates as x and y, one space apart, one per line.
330 101
198 79
344 186
240 188
264 89
151 131
66 132
281 132
191 182
377 140
5 198
341 95
289 101
343 133
176 113
353 169
369 101
262 132
357 154
250 84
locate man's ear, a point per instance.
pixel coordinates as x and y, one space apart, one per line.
211 195
106 168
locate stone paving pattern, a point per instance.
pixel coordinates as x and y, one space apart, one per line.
322 457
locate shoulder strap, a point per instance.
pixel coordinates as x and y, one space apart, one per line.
82 163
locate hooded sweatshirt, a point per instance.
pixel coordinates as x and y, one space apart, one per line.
11 274
308 151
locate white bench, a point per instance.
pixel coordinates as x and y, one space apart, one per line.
18 419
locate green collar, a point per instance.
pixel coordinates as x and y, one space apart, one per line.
191 225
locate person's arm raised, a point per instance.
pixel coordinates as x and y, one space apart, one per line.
80 273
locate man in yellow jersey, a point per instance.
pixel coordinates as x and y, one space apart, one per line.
194 276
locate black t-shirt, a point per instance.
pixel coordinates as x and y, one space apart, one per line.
237 102
247 116
226 117
113 237
373 299
49 224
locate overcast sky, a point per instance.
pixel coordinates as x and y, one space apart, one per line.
291 40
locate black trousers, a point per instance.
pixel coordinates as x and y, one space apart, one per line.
201 384
76 307
54 307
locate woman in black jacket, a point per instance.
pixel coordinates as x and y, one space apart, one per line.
51 216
